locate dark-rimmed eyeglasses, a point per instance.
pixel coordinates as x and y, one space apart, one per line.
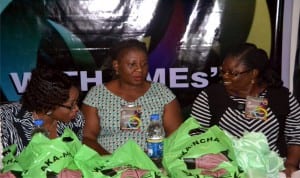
234 74
71 107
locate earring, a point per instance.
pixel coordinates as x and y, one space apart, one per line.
48 113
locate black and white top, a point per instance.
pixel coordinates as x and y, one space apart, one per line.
17 127
234 121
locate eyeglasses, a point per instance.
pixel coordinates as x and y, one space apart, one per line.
72 107
233 74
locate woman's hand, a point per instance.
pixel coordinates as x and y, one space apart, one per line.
292 161
7 175
289 170
69 174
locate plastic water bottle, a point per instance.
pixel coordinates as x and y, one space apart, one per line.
155 137
39 127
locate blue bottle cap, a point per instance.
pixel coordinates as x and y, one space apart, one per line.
154 117
38 122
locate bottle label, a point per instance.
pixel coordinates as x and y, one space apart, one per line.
130 117
155 149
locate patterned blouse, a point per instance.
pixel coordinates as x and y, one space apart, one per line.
109 108
17 126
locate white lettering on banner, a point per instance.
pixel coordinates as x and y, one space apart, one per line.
174 77
201 77
178 78
72 73
20 86
85 80
159 76
214 71
200 80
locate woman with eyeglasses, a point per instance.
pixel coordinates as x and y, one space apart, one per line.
51 96
251 97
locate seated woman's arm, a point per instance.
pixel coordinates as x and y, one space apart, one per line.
91 129
293 159
172 117
292 131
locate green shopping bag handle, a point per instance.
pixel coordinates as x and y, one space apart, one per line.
197 131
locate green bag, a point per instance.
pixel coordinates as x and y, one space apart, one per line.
9 160
130 160
90 162
200 155
43 155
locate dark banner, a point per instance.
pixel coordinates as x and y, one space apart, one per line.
187 39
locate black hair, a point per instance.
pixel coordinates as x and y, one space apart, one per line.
46 88
117 50
256 58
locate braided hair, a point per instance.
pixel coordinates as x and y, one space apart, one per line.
46 88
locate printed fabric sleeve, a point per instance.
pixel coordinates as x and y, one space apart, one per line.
9 129
92 97
165 92
4 132
292 125
200 109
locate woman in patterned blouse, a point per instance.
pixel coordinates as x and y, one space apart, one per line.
120 109
51 96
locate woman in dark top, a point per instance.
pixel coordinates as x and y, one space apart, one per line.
247 76
51 96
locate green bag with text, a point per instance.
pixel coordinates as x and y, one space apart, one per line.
44 156
189 153
9 160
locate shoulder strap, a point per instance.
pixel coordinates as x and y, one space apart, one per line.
279 103
218 101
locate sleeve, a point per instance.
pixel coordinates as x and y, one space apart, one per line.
200 109
292 125
10 132
92 96
5 131
166 93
